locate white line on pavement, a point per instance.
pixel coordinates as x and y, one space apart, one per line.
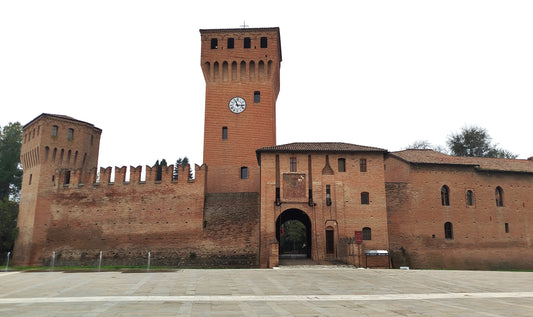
263 298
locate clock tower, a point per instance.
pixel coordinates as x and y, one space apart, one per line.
241 68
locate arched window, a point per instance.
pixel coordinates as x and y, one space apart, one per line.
234 70
367 233
207 67
499 196
445 195
243 69
252 69
469 198
365 198
225 71
216 70
448 231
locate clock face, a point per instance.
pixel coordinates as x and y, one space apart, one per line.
237 105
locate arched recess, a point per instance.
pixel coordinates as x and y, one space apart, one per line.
288 222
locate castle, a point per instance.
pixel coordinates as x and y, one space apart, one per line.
418 208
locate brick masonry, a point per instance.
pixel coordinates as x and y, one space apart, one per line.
74 210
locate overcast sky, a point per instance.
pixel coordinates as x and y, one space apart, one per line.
375 73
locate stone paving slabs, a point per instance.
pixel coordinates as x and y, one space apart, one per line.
287 291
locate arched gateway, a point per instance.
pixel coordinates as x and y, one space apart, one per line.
293 233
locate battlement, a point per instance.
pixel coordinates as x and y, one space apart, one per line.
72 178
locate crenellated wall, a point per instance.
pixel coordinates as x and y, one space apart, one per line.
170 218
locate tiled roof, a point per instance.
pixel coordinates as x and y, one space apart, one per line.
319 147
482 163
60 116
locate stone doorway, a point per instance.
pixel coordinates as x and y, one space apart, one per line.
293 232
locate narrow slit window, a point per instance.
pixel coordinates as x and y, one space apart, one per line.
328 195
499 196
257 96
445 195
506 225
224 133
448 231
469 198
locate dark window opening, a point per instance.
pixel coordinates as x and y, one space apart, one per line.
54 130
247 42
470 198
224 133
328 195
257 96
448 231
70 134
29 183
214 44
445 195
362 165
292 163
367 233
506 227
244 172
264 42
342 165
67 177
499 196
365 198
231 42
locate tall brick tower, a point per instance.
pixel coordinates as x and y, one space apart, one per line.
53 147
241 68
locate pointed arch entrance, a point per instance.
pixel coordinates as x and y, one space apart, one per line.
293 232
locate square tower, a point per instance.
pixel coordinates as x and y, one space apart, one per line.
241 68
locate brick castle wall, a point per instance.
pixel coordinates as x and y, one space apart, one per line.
416 217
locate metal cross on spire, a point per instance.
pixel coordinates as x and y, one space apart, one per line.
244 26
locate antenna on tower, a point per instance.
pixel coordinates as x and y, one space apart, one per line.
244 26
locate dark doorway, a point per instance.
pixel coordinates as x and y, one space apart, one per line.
330 240
293 231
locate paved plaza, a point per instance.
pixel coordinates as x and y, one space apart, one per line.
287 291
